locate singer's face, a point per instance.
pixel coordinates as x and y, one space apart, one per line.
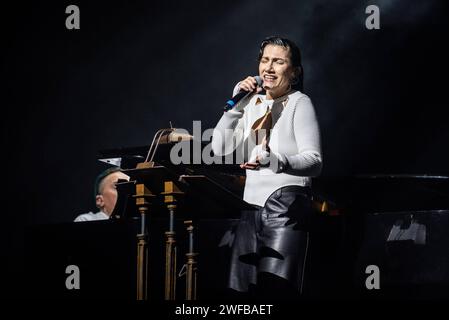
276 70
107 198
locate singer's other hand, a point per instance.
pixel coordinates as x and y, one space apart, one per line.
249 84
250 165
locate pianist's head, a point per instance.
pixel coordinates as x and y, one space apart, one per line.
105 189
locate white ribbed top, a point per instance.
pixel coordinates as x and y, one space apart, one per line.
90 216
294 142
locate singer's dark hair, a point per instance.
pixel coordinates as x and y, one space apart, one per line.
295 57
101 177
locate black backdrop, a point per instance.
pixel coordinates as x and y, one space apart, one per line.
380 95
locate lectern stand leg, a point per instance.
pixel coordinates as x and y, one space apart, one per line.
142 267
171 197
191 266
170 265
143 201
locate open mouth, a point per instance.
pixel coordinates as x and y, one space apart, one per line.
269 78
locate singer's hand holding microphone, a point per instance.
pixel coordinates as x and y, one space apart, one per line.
250 84
248 87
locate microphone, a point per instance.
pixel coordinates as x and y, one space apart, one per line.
241 95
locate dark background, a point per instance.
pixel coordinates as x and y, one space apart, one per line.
380 95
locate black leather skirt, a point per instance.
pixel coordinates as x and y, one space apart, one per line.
273 239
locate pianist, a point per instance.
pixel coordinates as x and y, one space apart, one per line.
277 132
105 195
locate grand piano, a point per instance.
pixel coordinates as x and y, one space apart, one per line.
398 223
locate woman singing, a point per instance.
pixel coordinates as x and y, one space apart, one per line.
276 131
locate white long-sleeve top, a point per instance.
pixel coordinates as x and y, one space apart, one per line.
294 143
90 216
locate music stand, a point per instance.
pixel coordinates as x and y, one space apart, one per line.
213 198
